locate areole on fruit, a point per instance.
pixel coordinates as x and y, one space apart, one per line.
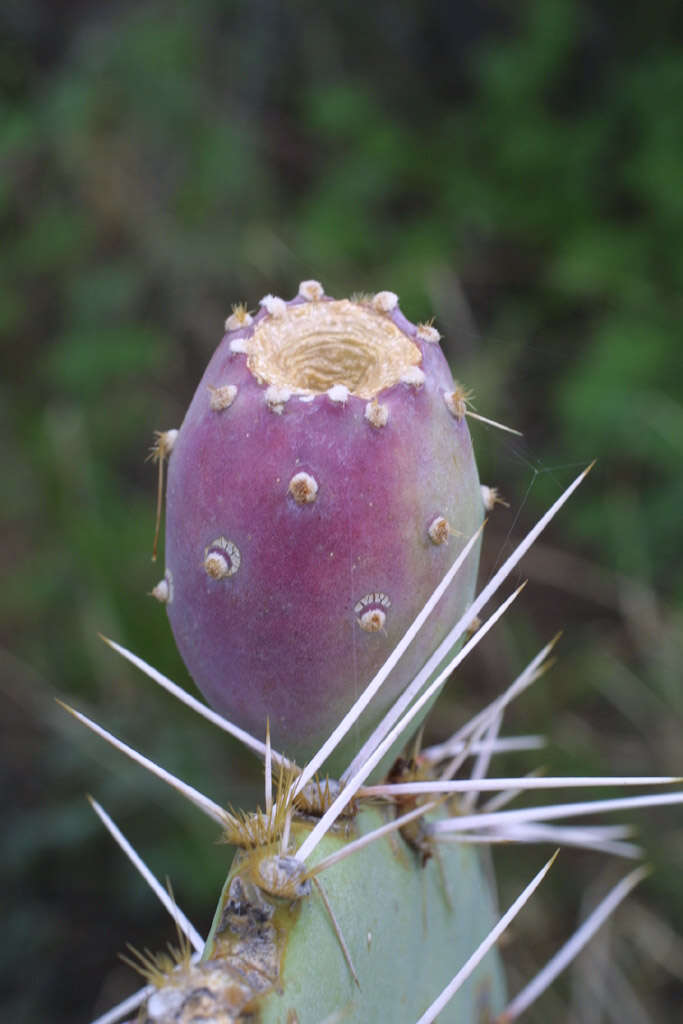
335 471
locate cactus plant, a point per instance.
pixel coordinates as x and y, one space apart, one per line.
322 528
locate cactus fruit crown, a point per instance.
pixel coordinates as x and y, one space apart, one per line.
319 488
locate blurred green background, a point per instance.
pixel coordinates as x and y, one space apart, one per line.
513 170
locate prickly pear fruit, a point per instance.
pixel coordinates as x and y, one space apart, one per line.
319 488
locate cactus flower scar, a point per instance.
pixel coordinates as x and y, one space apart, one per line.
321 485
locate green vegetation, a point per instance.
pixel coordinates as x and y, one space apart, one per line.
513 170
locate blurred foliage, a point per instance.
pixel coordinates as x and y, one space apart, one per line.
514 170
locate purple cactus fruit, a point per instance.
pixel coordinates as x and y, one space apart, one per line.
319 488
